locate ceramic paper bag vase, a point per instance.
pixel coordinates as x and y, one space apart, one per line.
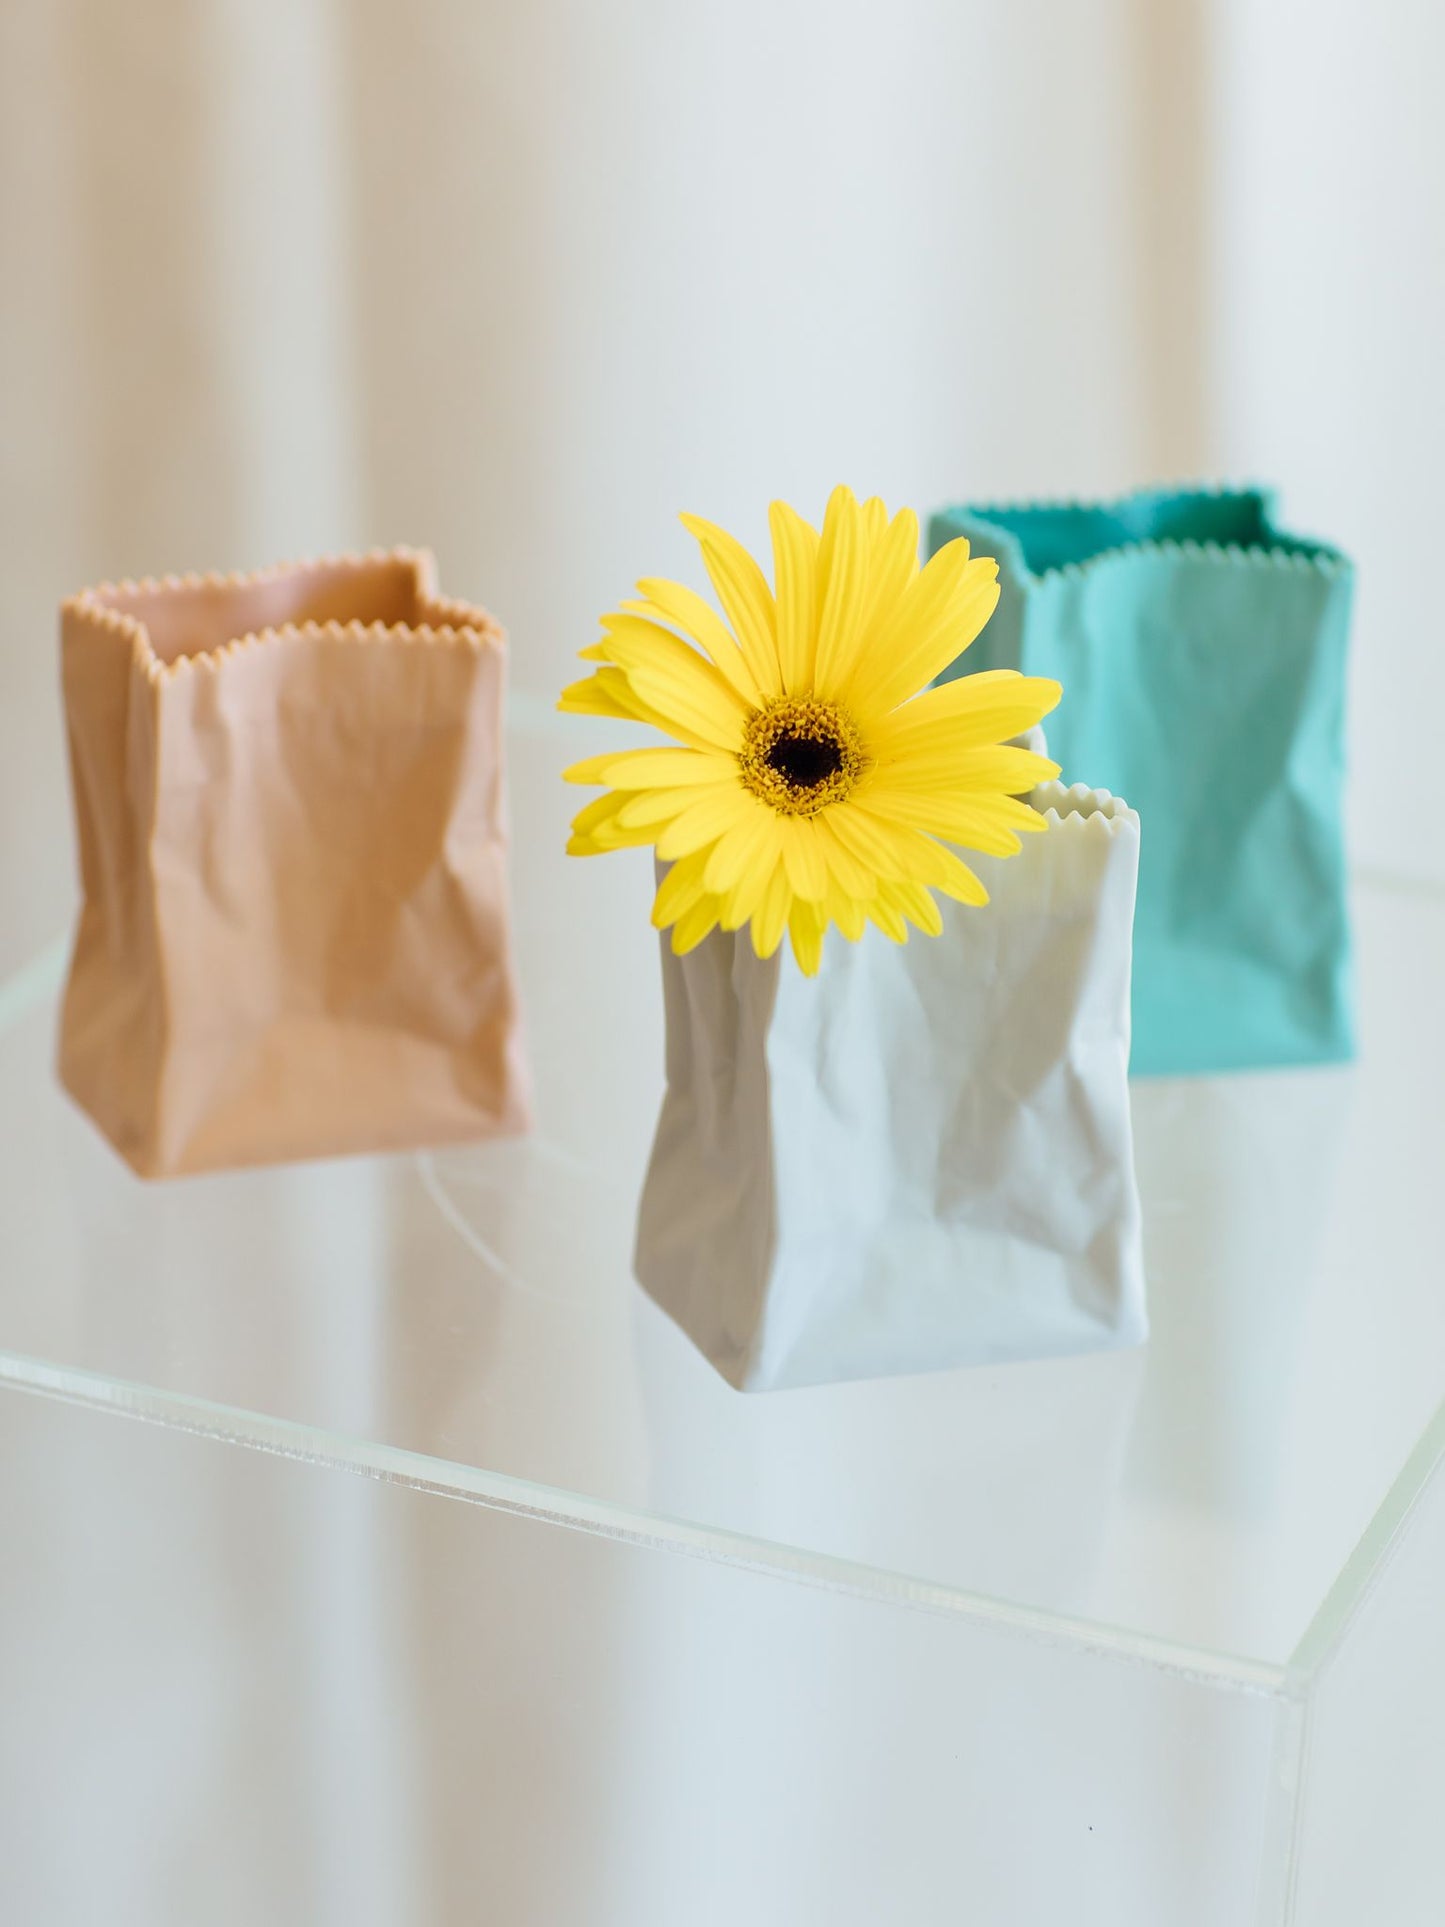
294 937
922 1157
1203 650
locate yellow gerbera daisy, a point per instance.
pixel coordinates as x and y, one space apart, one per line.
812 784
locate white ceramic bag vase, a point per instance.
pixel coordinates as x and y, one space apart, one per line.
922 1157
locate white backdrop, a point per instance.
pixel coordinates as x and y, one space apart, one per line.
521 282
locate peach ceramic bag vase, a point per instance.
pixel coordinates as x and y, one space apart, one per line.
294 937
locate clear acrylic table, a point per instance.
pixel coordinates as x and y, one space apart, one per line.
1148 1637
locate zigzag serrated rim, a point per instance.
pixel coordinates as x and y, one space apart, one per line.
462 623
1077 803
1327 559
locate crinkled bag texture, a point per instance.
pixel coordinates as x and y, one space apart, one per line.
921 1158
1203 651
294 937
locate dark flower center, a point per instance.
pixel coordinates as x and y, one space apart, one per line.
800 754
803 761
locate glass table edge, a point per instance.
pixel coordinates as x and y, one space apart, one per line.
636 1527
1371 1556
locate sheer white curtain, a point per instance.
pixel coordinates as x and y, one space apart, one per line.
522 281
1327 298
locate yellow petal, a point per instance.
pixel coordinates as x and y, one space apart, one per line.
926 649
678 891
772 913
602 809
701 715
594 697
848 913
843 564
932 864
892 851
614 836
694 924
741 903
999 770
892 569
846 869
875 528
891 566
750 844
795 572
878 846
634 640
878 786
597 827
675 679
976 827
889 919
645 769
745 596
914 902
806 932
682 607
585 771
702 822
803 857
661 806
609 693
931 624
967 713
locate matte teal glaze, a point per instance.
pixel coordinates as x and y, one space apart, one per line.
1202 654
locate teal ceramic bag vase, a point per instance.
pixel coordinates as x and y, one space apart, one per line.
1202 653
